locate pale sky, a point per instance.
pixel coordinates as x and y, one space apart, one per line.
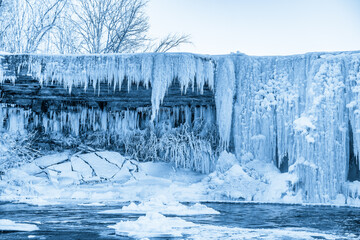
259 27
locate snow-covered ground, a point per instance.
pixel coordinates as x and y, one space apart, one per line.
103 177
155 189
108 176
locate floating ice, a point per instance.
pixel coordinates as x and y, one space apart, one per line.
157 225
95 204
165 206
152 225
8 225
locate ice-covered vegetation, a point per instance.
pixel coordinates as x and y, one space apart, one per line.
298 113
182 135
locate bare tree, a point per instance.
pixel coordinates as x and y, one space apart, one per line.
4 24
27 22
106 26
170 41
64 36
79 26
113 26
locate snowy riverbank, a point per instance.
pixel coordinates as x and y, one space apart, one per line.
104 177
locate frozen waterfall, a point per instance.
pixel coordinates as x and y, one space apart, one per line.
300 111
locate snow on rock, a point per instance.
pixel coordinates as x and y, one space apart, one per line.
84 169
134 181
164 205
8 225
255 181
99 165
353 194
225 161
47 161
152 225
67 170
233 184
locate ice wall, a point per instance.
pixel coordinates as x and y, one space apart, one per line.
298 109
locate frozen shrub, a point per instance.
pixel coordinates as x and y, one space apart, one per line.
16 149
186 148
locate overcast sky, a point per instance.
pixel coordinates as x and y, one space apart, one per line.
259 27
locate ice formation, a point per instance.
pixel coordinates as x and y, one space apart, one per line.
157 225
163 205
299 112
8 225
152 225
158 71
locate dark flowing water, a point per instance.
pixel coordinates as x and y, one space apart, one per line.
85 222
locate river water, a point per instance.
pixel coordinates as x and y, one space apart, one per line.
235 221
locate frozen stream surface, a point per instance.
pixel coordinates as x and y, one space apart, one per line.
235 221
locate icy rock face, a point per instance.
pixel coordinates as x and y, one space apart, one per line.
225 161
155 70
296 109
253 181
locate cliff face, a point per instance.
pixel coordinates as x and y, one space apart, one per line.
300 112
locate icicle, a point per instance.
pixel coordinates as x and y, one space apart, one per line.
104 121
2 116
74 119
224 95
2 79
209 73
146 70
160 82
185 71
